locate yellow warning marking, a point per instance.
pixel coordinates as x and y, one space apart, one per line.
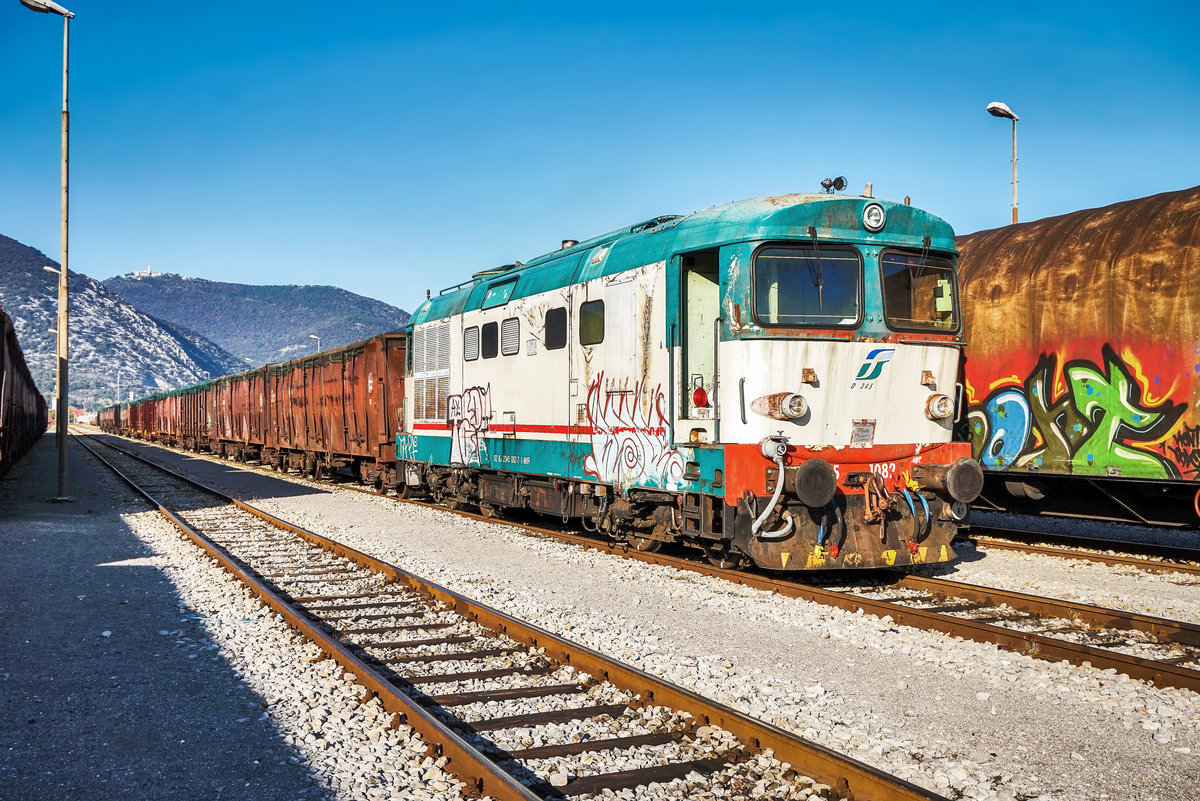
923 553
786 555
944 557
854 560
816 558
889 557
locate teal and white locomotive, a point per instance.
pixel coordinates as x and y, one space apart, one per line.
770 381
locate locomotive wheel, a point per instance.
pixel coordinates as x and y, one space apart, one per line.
725 559
643 544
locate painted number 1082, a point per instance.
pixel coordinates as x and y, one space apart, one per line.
884 469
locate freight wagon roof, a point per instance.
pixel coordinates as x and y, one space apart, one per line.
1163 226
779 217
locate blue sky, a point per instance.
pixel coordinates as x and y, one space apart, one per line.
389 148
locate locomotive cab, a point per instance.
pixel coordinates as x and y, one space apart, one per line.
845 346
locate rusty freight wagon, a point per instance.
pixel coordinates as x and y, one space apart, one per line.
339 409
336 410
239 415
1083 359
23 413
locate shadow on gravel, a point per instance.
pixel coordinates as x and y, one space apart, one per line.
111 687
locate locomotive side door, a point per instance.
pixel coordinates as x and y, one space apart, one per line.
700 311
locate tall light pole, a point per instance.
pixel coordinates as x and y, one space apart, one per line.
998 109
60 403
314 336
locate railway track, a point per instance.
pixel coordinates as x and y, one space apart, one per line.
1155 558
1160 651
519 713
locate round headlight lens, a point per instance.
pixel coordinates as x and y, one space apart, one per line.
939 407
795 406
874 217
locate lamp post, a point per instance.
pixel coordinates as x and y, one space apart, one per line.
60 403
314 336
999 109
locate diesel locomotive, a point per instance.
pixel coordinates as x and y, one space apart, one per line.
771 381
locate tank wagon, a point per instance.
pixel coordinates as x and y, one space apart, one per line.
23 414
771 381
1083 368
337 409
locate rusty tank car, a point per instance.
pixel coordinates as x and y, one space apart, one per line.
1082 373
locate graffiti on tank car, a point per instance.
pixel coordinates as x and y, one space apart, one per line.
468 416
629 435
1184 449
1084 417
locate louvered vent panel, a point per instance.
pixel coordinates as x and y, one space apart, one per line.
443 398
471 344
510 336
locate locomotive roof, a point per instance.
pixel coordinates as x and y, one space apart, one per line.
834 217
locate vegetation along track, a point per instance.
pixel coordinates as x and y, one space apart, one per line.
452 669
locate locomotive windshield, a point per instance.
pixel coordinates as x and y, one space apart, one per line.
807 286
919 292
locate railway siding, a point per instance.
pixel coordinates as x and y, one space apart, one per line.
952 715
320 585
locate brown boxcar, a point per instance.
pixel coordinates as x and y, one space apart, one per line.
23 413
339 409
1083 357
239 415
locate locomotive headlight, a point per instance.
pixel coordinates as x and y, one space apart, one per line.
874 217
939 407
795 406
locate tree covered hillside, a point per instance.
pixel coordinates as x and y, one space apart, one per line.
259 323
109 341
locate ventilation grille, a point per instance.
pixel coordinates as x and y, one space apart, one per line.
431 371
510 336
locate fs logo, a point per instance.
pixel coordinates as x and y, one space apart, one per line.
872 367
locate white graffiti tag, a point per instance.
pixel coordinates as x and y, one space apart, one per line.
468 416
629 438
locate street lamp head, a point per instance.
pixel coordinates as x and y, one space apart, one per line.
46 7
996 109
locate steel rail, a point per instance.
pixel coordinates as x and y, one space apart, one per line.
1029 643
477 771
850 778
1161 628
1156 565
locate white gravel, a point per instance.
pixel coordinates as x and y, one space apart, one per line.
316 709
966 719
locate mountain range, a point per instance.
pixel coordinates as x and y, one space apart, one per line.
146 332
260 324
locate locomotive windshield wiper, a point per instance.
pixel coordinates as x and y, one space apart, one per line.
819 276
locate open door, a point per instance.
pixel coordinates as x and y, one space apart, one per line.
700 310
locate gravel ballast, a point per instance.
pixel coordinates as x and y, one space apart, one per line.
966 719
